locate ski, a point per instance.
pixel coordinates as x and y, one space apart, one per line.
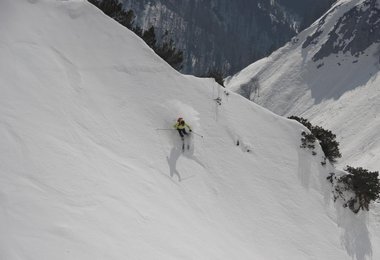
184 145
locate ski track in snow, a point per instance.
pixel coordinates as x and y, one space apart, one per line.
73 76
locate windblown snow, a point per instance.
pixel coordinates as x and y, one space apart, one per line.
85 174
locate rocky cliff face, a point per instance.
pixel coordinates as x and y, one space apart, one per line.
354 32
226 34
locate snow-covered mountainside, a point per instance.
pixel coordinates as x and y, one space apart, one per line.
84 174
226 34
330 75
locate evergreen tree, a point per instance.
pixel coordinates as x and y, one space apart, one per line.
114 9
326 139
364 184
149 37
166 50
128 19
328 143
303 121
217 75
170 54
138 31
307 140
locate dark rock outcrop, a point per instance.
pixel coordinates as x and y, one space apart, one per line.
354 32
225 34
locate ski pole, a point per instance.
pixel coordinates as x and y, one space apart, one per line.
163 129
197 134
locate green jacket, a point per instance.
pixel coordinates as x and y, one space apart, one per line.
179 126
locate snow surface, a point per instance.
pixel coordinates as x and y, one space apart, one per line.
84 174
340 92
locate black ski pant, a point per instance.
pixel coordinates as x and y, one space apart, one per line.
182 132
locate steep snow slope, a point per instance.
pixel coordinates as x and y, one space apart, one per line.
85 175
330 75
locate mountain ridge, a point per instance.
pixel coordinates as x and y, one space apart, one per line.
338 92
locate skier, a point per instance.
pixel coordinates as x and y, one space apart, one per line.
180 125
